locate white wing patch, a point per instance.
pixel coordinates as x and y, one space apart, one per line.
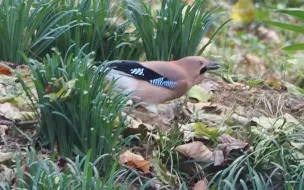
124 83
138 71
162 83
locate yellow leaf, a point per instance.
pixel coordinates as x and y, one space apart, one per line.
243 11
198 93
201 129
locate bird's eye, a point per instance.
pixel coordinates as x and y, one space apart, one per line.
200 63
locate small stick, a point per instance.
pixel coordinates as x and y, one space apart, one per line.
20 123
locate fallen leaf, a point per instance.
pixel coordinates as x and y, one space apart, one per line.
225 138
48 89
65 92
143 165
188 132
218 157
3 129
227 147
226 144
269 36
142 130
6 156
6 174
254 64
295 105
201 185
210 85
135 160
128 155
5 70
130 122
148 119
196 150
208 107
201 129
168 112
267 127
8 111
162 173
243 12
199 94
276 84
26 172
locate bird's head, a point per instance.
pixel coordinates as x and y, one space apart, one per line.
197 65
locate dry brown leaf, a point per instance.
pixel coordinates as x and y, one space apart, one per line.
225 138
25 171
128 156
254 63
149 120
268 35
226 144
229 141
196 150
201 185
135 160
5 70
143 165
131 122
8 111
208 107
210 85
295 105
274 81
6 174
48 89
5 156
3 129
227 147
237 85
218 157
167 112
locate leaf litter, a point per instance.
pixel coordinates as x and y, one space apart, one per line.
267 105
205 124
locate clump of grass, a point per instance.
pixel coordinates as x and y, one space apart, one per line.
273 164
175 31
75 113
99 25
34 27
30 27
35 172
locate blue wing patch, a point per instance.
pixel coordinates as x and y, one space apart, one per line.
163 83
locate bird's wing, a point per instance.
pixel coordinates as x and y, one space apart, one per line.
138 71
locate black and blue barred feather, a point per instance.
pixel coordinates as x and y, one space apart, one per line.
138 71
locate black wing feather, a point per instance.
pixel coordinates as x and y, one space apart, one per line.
138 71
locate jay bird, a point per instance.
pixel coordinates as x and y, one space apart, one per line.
155 82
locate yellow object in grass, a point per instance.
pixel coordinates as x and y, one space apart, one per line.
243 11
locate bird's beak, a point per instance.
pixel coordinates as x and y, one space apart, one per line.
212 66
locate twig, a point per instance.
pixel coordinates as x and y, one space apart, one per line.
23 134
20 123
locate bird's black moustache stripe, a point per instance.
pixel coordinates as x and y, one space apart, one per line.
203 70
